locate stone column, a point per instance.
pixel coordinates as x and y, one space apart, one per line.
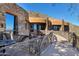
28 27
62 26
2 22
11 34
46 29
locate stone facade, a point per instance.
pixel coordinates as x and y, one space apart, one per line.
73 28
24 19
21 23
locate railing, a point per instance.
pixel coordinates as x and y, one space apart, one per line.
36 46
74 40
46 41
77 44
70 37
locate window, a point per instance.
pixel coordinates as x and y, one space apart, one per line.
9 21
66 28
55 27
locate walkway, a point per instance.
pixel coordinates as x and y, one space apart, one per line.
60 49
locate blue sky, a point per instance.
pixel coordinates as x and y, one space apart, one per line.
9 21
58 11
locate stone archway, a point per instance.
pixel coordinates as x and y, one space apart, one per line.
21 18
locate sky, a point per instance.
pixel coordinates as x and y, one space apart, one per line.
58 11
9 21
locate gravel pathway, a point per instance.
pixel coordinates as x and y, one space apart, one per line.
60 49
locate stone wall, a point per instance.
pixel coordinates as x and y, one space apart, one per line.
73 28
21 23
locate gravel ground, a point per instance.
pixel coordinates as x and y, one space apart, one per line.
54 49
60 49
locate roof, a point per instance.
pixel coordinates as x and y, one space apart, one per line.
37 20
35 17
57 22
